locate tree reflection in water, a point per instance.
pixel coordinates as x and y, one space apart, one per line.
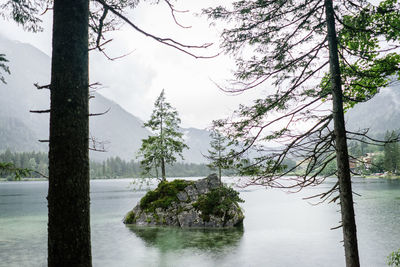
168 239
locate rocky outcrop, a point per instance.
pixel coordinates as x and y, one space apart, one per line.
202 203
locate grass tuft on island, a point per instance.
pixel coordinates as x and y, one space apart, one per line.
163 196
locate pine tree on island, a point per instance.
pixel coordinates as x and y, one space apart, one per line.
217 154
166 143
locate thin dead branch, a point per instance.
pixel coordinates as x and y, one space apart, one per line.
99 114
40 111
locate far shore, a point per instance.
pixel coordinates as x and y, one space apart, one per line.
389 177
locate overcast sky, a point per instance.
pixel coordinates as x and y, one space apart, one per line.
136 80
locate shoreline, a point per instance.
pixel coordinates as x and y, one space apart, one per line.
4 180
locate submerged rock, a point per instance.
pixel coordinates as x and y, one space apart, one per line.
202 203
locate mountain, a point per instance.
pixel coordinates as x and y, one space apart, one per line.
198 142
121 131
379 114
20 130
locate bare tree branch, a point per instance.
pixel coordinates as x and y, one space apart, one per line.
166 41
97 145
173 11
39 87
40 111
99 114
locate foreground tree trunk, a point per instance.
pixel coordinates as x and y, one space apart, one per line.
342 157
68 197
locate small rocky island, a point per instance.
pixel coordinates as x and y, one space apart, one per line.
202 203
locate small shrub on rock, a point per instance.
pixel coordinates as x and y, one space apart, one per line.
217 202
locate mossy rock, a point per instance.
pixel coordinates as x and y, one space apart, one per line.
202 203
163 196
130 218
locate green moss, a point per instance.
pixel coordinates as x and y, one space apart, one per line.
163 195
156 217
394 259
217 202
130 218
240 219
180 210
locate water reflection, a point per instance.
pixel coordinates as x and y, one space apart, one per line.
168 239
280 229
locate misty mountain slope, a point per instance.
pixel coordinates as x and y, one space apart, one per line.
28 66
121 132
379 114
199 144
14 131
20 130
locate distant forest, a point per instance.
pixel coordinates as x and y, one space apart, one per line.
366 159
113 167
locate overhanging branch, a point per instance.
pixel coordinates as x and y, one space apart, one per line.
166 41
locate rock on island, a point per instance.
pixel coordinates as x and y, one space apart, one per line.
202 203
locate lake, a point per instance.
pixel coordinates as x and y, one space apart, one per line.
280 229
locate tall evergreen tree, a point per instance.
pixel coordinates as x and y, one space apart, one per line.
69 241
292 43
391 152
68 196
167 142
217 153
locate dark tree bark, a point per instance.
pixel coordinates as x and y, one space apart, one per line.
68 197
219 165
162 145
342 157
163 169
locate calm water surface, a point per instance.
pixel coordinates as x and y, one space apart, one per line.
280 229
